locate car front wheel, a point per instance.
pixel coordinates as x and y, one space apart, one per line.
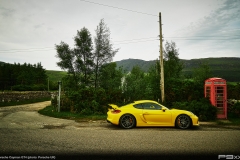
127 121
183 121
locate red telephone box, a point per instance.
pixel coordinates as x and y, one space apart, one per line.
216 90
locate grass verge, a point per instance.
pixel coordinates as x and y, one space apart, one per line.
51 112
5 104
233 119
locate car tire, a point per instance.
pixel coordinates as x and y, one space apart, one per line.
183 121
127 121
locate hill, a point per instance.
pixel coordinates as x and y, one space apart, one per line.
55 76
224 67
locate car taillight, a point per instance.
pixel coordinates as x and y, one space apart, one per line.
116 111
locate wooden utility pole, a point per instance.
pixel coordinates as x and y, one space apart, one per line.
161 59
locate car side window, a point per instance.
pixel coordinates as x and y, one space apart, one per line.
151 106
138 106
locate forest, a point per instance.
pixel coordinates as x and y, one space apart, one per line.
22 77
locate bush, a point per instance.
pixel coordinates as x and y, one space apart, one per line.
65 104
39 87
22 88
236 109
202 108
35 87
88 100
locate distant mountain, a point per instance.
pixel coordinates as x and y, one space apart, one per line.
224 67
55 76
128 64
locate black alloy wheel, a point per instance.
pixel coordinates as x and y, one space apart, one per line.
127 121
183 121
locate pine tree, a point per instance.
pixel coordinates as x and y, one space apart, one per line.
104 51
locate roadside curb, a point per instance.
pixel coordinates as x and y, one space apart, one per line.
227 125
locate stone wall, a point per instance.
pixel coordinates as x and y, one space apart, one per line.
15 96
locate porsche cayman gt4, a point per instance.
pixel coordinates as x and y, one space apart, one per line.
145 113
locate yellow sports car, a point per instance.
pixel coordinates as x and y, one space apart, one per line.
149 113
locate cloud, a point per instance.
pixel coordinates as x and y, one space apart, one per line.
5 12
214 35
38 26
227 17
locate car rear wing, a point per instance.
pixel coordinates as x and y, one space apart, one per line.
113 106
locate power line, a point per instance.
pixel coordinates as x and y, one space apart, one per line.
178 38
120 8
137 41
51 48
26 49
233 36
126 42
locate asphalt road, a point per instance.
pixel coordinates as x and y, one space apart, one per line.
26 134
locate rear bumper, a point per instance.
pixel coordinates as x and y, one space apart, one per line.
113 118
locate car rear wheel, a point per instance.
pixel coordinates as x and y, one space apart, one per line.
127 121
183 121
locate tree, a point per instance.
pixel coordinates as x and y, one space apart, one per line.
172 64
202 73
78 61
83 52
110 77
134 84
22 77
154 80
172 70
104 51
67 59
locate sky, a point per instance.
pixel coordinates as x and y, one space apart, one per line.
30 29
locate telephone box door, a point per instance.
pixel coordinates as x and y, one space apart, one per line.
220 101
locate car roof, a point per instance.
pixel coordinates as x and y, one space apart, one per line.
145 101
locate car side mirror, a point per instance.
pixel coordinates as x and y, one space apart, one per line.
163 109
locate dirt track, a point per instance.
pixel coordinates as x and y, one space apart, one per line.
26 116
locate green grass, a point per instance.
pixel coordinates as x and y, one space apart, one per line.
52 112
5 104
233 118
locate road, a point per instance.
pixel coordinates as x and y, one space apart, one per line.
24 132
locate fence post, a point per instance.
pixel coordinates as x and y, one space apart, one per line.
59 94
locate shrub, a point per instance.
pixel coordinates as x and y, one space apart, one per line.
86 111
236 109
21 88
35 87
202 108
39 87
65 104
